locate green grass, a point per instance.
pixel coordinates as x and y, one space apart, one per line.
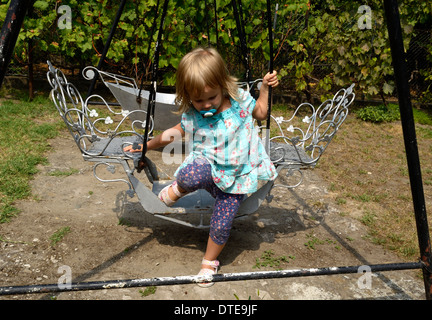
147 291
25 130
367 168
59 235
63 173
381 113
268 259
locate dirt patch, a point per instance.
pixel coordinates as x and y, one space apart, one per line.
111 237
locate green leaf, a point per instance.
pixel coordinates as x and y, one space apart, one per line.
387 88
372 90
40 5
256 44
256 22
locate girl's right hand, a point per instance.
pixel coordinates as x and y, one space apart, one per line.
133 148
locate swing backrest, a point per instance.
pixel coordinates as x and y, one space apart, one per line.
99 130
70 105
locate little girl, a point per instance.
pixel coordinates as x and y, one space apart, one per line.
226 156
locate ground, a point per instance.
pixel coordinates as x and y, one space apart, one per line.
111 237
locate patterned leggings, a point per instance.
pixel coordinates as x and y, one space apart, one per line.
197 175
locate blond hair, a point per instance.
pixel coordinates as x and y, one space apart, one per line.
201 68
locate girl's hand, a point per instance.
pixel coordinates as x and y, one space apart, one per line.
130 148
270 79
260 110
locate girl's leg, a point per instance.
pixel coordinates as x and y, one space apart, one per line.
194 176
225 208
212 252
198 176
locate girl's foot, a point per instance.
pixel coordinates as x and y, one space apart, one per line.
208 268
170 194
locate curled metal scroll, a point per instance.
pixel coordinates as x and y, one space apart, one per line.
111 168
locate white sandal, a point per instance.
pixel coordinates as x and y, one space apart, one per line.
164 196
206 273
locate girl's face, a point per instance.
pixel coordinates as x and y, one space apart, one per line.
210 98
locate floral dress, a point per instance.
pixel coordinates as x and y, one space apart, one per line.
230 143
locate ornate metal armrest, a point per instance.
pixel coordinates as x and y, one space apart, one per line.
299 141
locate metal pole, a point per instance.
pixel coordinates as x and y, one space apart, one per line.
107 45
270 65
239 23
142 163
161 281
408 127
216 24
10 31
270 70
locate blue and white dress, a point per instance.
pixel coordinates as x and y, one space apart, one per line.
230 143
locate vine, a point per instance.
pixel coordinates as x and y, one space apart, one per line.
317 44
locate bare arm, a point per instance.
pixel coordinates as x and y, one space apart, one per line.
161 140
166 137
261 107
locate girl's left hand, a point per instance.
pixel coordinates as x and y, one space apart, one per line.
270 79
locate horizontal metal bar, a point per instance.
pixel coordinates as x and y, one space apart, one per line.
162 281
103 103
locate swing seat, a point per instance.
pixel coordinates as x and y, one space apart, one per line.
199 201
111 148
289 155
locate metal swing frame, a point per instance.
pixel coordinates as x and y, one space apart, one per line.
7 43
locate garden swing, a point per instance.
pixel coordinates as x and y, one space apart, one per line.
292 148
77 116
